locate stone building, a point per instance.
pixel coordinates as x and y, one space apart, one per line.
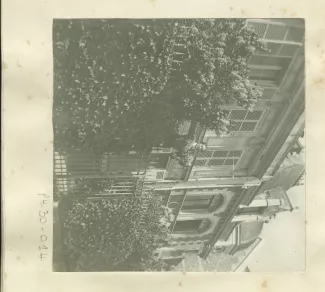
240 180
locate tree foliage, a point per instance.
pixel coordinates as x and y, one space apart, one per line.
216 72
120 85
185 154
108 75
117 235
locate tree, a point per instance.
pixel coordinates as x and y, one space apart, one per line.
216 72
117 235
184 154
108 75
122 85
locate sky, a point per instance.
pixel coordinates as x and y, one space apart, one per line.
283 239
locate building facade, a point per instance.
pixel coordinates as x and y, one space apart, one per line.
224 188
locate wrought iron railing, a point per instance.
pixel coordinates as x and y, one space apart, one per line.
90 175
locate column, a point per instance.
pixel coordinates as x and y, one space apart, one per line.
275 202
256 203
240 218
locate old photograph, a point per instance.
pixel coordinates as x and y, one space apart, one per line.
178 145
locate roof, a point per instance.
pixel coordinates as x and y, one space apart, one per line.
279 193
285 178
246 235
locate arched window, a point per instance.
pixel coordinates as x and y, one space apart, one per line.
203 203
195 226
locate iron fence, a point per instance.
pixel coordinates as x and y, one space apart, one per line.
88 175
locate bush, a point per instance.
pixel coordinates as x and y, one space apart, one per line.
113 235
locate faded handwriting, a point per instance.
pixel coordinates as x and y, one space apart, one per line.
43 214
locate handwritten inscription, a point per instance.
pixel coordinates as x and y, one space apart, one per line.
43 214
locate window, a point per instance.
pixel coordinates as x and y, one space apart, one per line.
159 160
197 202
121 163
251 211
188 225
259 27
214 142
263 74
203 202
196 226
275 32
282 40
160 175
218 158
270 31
295 34
244 121
268 61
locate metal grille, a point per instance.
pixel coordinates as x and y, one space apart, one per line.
244 121
282 40
231 162
235 127
276 32
199 162
237 115
216 162
254 115
236 153
88 175
220 153
248 126
205 153
260 28
60 167
60 175
270 31
219 158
